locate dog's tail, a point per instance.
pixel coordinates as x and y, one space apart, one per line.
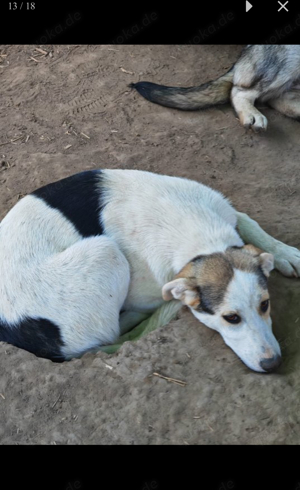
190 98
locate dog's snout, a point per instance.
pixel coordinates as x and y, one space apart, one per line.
271 364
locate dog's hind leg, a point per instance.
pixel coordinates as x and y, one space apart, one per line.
287 259
85 287
243 102
288 104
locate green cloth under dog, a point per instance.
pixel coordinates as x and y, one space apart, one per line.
161 317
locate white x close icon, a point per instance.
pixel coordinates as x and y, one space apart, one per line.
283 6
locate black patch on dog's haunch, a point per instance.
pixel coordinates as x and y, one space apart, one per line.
78 198
38 336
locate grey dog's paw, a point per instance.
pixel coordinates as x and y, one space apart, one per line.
256 121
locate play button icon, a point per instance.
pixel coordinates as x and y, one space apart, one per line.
248 6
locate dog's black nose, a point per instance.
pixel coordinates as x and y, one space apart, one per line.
270 364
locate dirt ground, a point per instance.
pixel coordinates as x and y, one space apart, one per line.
71 110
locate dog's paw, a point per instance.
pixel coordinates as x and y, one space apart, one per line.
255 121
287 260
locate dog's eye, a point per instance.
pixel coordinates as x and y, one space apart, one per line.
232 318
264 305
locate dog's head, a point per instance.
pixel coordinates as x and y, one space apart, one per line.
228 292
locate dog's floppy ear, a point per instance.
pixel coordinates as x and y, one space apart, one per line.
183 289
266 260
267 263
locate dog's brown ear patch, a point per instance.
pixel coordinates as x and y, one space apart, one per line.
209 275
254 260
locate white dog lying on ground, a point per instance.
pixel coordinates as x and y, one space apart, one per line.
76 253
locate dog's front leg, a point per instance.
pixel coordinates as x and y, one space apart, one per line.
287 259
243 102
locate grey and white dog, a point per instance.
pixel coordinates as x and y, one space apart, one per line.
263 73
78 252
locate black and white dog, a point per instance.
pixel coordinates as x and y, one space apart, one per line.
76 253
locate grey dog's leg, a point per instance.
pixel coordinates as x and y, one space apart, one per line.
288 104
247 88
243 102
263 72
287 259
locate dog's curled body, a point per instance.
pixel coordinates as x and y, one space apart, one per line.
76 253
62 283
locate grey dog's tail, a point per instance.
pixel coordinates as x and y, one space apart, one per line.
190 98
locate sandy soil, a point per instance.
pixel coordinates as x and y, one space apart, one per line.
72 111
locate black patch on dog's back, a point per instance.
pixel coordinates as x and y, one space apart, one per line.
38 336
78 198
